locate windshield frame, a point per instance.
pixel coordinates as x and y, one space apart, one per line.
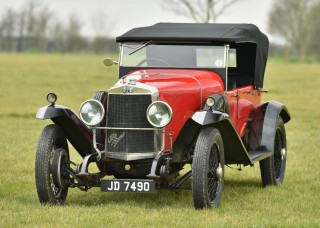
142 45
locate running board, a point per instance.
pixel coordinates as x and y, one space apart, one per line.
256 156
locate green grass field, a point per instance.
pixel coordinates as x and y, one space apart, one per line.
26 79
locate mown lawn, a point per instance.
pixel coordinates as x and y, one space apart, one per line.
26 79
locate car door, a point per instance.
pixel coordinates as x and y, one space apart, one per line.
247 99
241 102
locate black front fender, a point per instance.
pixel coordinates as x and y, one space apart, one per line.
204 118
78 134
235 151
53 111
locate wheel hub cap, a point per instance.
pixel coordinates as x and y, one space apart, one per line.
283 153
219 172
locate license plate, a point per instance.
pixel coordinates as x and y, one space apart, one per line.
140 186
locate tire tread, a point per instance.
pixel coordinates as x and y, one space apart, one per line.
42 160
199 174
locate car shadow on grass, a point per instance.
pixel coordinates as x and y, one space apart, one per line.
162 198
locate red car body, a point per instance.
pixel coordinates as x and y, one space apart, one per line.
186 91
187 94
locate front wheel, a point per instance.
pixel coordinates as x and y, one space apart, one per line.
51 164
273 168
208 169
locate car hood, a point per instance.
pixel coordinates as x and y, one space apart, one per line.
175 83
184 90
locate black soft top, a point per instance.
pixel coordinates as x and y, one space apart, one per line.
233 34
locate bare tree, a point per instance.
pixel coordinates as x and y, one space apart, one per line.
8 30
201 11
21 27
290 20
102 25
75 42
314 48
56 36
41 31
1 34
35 26
30 15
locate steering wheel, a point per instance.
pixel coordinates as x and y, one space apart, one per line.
147 60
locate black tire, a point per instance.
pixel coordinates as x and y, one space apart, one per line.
208 156
52 139
273 168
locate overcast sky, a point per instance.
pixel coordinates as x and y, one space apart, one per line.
127 14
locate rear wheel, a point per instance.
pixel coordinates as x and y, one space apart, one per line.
52 161
273 168
208 169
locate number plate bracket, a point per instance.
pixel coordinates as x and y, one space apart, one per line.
128 185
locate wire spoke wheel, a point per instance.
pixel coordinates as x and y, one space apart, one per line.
277 154
52 161
208 169
213 180
273 168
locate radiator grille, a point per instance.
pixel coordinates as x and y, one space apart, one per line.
129 111
128 141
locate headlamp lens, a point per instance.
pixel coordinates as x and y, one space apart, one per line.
51 98
159 114
210 102
91 112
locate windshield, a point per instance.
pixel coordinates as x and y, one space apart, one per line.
180 56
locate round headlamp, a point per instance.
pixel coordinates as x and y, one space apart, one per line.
51 98
91 112
210 101
159 114
216 102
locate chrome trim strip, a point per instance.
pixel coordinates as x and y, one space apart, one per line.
130 156
121 55
163 140
139 89
226 62
128 128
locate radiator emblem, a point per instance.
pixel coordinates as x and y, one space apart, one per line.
114 139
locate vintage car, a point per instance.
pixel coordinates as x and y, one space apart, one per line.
186 94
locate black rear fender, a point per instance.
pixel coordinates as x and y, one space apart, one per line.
263 126
78 134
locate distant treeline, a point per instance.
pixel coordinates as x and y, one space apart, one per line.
35 28
297 23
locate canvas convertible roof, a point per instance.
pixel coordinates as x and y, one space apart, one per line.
196 32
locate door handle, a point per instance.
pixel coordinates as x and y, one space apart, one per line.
260 90
233 94
249 92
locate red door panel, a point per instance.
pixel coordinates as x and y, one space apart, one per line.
242 101
248 98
